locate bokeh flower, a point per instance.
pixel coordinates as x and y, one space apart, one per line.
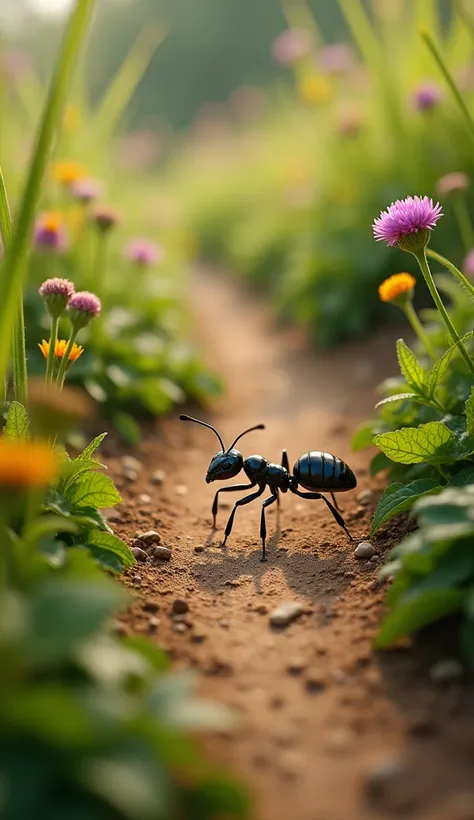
468 264
314 89
56 294
60 348
50 232
26 464
86 189
397 288
452 183
336 58
105 218
83 307
407 223
68 171
291 45
144 253
427 96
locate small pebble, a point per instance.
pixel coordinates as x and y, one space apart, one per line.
388 784
179 607
139 554
447 671
181 489
199 548
162 553
158 477
131 463
149 538
198 637
296 666
261 609
130 475
364 550
144 498
365 497
151 606
153 623
180 628
137 581
232 583
315 680
286 613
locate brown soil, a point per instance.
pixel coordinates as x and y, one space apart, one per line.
320 712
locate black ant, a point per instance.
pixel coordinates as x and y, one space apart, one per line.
315 471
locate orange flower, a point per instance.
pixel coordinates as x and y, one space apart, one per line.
52 221
60 349
68 171
26 464
396 286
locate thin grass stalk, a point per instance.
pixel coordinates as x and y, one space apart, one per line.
463 280
13 272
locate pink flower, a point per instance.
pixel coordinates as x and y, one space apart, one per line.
291 45
451 183
86 190
144 253
427 96
336 58
105 218
56 294
407 222
83 307
468 264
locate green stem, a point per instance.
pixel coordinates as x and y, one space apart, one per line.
463 280
464 221
436 53
425 269
65 359
412 317
52 347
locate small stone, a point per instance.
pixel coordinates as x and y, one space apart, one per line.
181 489
199 548
179 607
296 666
388 784
151 606
224 624
180 628
364 497
139 554
130 475
162 553
158 477
447 671
153 623
261 609
315 680
144 498
129 463
364 550
232 583
137 580
284 614
149 538
112 515
198 637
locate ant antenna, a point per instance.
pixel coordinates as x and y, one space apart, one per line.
257 427
204 424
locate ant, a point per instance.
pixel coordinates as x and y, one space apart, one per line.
315 471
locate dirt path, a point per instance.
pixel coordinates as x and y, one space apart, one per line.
319 711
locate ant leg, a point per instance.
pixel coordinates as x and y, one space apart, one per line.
335 502
284 461
263 526
233 489
240 503
335 513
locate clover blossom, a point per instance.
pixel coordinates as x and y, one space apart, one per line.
427 96
86 189
291 45
468 264
144 253
407 223
105 218
452 183
56 294
50 233
83 307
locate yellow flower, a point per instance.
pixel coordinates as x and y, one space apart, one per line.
399 284
52 221
60 349
71 118
314 89
68 171
26 464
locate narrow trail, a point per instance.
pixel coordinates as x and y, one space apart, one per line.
318 708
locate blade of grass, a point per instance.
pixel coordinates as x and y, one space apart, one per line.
13 271
19 346
438 57
125 82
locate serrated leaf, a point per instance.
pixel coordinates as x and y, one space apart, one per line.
469 410
400 497
410 367
18 424
89 451
412 445
93 490
415 611
398 397
438 370
464 477
106 542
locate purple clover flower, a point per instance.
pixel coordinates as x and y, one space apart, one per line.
86 189
452 183
336 58
427 96
83 307
407 223
50 233
56 294
105 218
144 253
468 264
291 45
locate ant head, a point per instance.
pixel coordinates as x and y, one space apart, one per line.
224 465
227 463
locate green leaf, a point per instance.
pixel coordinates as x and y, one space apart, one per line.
469 410
413 612
18 424
93 490
410 367
379 463
412 445
363 436
89 451
106 542
128 428
438 370
464 477
400 497
399 397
